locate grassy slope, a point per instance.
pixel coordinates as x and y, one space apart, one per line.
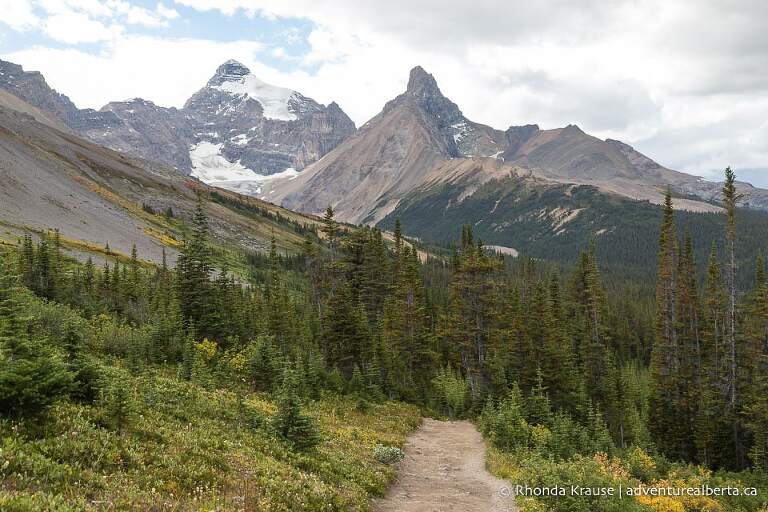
189 449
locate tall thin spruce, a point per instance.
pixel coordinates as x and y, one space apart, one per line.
730 200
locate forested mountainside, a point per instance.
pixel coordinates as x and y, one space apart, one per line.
554 221
199 392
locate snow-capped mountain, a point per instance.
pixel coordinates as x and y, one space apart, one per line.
247 130
236 129
279 103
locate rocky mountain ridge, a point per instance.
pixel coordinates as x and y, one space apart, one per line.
254 127
50 178
240 133
409 143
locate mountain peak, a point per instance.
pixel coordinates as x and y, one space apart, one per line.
422 83
232 69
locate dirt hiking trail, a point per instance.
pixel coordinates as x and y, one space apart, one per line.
444 470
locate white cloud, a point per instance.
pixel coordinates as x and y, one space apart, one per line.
135 15
18 14
682 80
94 8
166 12
670 76
75 27
165 71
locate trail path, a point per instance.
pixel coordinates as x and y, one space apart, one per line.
444 470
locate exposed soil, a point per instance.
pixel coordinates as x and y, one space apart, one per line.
444 470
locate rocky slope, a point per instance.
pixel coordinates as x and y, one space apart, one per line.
365 176
410 141
236 128
52 179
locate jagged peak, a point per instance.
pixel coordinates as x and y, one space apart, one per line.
523 128
232 68
422 83
573 128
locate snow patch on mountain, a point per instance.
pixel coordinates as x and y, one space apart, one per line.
275 100
210 166
240 140
460 130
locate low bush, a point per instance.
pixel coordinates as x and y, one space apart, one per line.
388 454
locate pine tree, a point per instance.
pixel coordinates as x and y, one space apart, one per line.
756 385
27 263
472 310
330 229
263 364
665 357
711 380
730 200
689 340
84 371
193 268
32 375
290 422
589 321
118 403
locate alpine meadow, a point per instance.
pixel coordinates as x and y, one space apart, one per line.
241 298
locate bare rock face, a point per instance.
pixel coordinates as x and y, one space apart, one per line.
265 128
237 123
460 136
32 88
142 128
367 174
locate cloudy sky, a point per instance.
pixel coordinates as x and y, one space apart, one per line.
684 81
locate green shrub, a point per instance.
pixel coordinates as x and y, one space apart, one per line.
451 392
388 454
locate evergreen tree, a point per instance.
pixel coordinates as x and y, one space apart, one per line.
118 403
290 422
665 357
472 310
330 229
756 384
193 270
32 375
730 200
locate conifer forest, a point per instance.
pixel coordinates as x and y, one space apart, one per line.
292 382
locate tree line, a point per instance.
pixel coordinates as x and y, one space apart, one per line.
516 341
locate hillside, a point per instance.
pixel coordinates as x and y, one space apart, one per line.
52 179
509 206
421 138
262 128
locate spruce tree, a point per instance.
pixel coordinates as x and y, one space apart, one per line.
665 356
32 374
730 201
330 229
290 422
193 269
756 385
